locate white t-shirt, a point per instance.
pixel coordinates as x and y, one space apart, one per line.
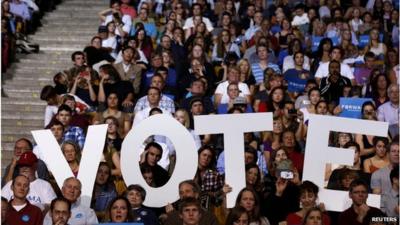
288 63
189 23
323 70
111 42
40 193
222 89
126 19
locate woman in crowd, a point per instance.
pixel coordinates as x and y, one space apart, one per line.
136 195
118 211
375 45
113 139
246 75
282 36
209 180
182 116
144 42
365 142
308 200
314 216
223 47
379 85
124 121
314 95
272 139
237 216
248 199
253 178
104 190
271 81
276 100
380 158
72 154
322 54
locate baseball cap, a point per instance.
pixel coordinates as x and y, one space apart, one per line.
27 159
240 101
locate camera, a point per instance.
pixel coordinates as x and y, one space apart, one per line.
287 175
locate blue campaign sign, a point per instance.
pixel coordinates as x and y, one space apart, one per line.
351 107
363 40
315 42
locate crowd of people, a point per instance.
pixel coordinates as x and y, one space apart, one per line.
188 58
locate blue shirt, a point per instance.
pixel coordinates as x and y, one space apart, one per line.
261 163
75 134
146 216
258 73
295 82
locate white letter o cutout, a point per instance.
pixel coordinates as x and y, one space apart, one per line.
186 152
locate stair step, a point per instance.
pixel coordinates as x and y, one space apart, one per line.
22 108
15 137
23 122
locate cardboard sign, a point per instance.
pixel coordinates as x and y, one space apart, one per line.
317 153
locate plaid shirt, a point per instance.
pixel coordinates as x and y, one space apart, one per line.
75 134
211 181
165 103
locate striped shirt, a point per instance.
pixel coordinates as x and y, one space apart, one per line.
258 72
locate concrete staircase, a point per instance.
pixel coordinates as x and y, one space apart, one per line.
67 29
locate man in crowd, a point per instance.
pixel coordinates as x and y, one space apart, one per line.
80 215
197 90
21 146
359 212
129 71
40 191
188 189
152 155
221 93
389 111
190 211
60 211
332 86
153 97
323 69
165 102
390 200
70 132
20 210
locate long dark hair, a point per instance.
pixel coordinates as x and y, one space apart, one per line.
235 214
270 105
255 214
320 49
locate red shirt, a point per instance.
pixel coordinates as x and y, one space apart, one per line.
294 219
128 10
30 214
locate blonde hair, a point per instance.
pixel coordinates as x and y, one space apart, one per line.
240 63
186 116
